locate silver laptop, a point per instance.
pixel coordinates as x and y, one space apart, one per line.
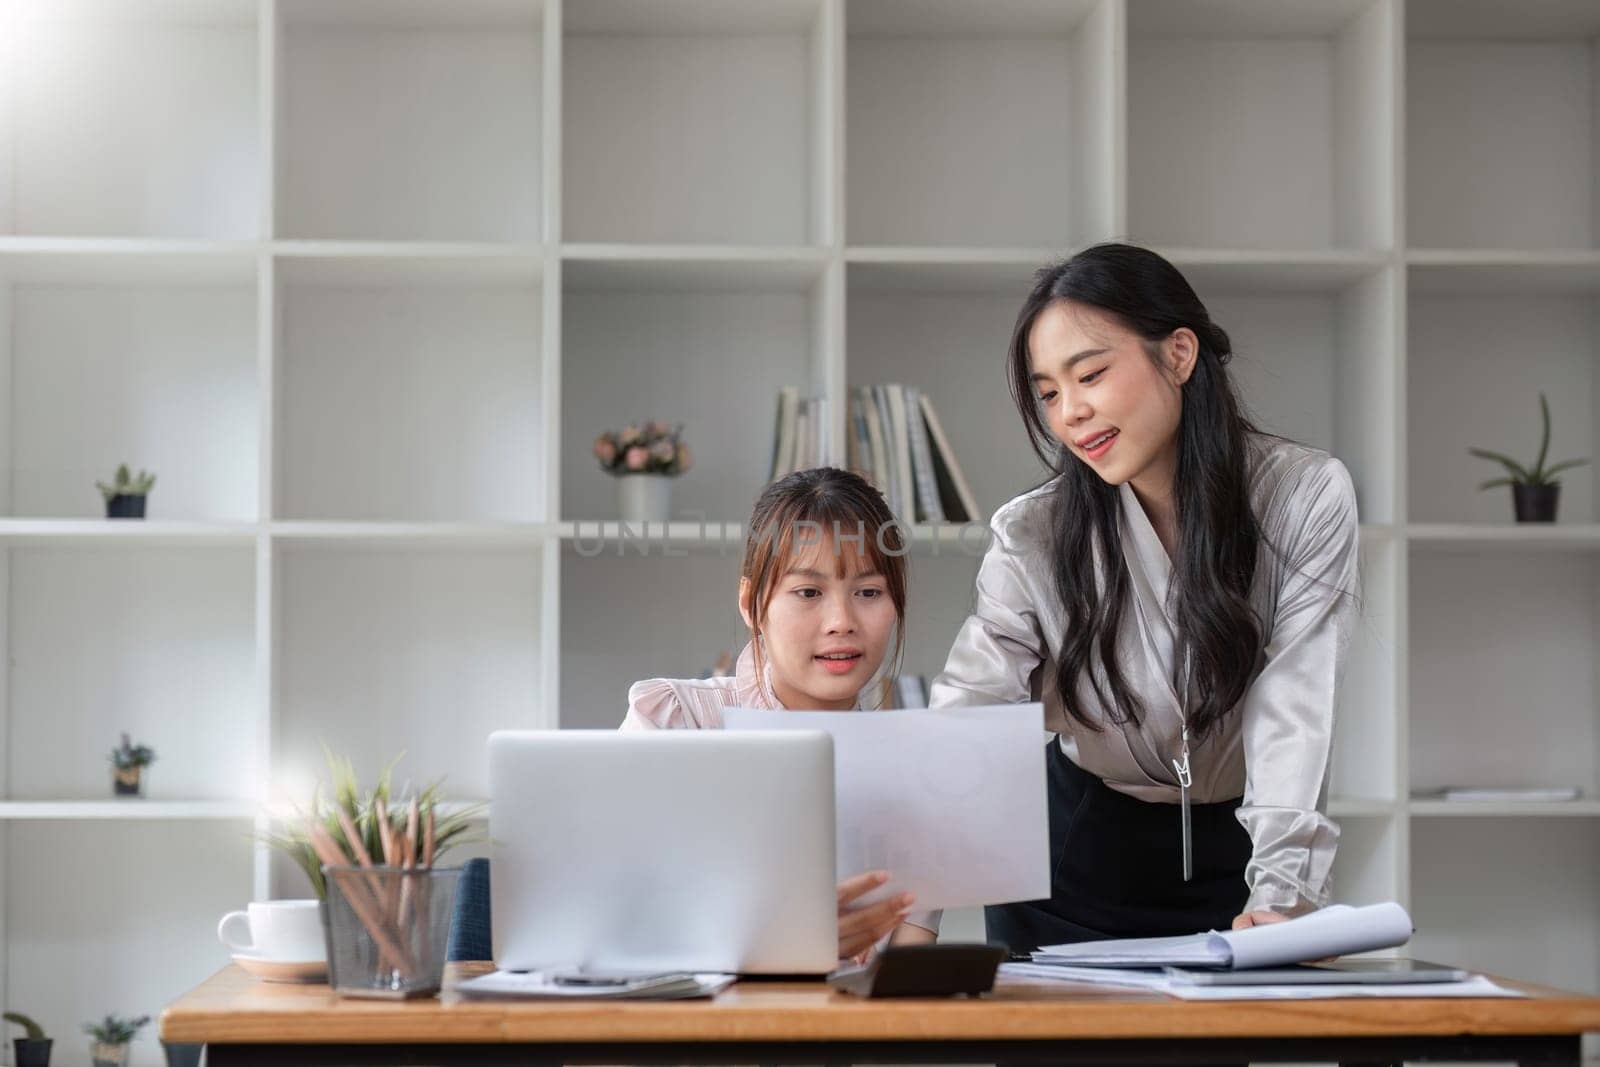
692 850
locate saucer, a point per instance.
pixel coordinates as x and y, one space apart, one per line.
282 970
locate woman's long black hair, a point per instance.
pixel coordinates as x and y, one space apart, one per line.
1218 536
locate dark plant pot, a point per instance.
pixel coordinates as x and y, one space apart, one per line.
127 783
182 1054
1535 503
33 1053
125 506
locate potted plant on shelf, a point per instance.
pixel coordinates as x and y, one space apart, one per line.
644 459
128 762
112 1035
33 1048
1536 491
125 495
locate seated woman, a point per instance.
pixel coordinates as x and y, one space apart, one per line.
822 589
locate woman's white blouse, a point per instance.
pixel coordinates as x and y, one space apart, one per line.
1274 747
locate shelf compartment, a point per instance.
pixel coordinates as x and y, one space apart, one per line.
105 369
1221 93
116 916
1366 868
929 163
698 122
1460 898
398 651
1501 147
1316 363
672 620
403 122
659 330
1501 671
156 642
909 324
134 120
1476 363
410 390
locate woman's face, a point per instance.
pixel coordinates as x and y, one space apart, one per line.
1104 398
826 635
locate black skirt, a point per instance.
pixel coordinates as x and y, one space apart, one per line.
1117 867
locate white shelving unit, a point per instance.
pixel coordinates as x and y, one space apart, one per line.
361 280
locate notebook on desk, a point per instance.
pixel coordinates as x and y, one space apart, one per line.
1337 930
557 985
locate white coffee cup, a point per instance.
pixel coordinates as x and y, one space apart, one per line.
289 930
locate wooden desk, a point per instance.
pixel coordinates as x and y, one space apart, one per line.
246 1022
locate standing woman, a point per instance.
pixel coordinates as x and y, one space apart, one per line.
1180 595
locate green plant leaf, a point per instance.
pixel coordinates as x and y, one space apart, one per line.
1492 482
1518 471
1544 438
34 1031
1564 465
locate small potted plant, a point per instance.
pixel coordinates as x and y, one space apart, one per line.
372 857
112 1036
125 495
1535 492
128 762
644 458
33 1048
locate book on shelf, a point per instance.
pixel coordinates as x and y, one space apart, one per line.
928 506
955 494
783 432
905 501
893 439
800 436
1544 794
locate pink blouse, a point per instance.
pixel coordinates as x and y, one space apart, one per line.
697 703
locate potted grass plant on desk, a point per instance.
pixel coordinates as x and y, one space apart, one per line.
372 858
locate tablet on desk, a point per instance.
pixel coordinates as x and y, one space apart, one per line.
1335 972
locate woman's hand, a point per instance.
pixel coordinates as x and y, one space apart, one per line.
861 928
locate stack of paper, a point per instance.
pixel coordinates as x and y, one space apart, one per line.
1337 930
544 984
949 801
1157 981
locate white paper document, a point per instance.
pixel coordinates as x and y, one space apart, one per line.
543 985
949 801
1158 982
1337 930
